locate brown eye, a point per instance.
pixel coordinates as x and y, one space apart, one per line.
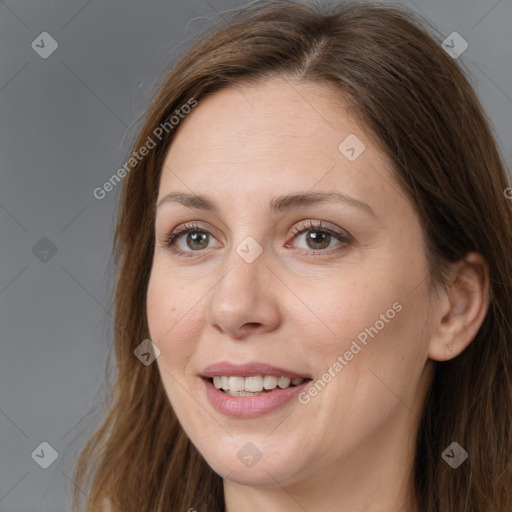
318 239
188 239
197 240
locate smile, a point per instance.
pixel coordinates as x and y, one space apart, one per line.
253 385
250 390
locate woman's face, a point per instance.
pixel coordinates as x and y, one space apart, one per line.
276 280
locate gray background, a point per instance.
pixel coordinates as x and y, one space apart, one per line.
66 125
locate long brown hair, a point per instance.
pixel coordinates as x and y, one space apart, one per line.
415 99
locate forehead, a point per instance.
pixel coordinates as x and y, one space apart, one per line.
263 112
266 137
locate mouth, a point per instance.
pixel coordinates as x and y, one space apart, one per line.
253 385
246 391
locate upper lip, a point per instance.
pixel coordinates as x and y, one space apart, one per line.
225 368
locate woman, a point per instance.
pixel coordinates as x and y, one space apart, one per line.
314 299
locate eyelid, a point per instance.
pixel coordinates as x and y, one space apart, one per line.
321 226
344 238
168 240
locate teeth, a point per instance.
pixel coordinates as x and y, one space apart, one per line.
283 382
269 382
236 383
254 384
243 393
240 386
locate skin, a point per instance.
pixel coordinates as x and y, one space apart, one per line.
353 443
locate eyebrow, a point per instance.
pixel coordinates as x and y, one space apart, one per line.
278 204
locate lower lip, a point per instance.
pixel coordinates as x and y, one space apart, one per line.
250 406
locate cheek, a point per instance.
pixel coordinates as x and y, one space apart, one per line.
172 319
376 325
347 311
160 311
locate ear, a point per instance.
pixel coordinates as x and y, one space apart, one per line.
462 308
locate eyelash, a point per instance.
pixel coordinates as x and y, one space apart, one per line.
341 235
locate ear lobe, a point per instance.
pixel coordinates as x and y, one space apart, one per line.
464 305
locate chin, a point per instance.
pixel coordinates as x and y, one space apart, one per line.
246 467
262 476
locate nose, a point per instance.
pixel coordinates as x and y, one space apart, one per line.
245 300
